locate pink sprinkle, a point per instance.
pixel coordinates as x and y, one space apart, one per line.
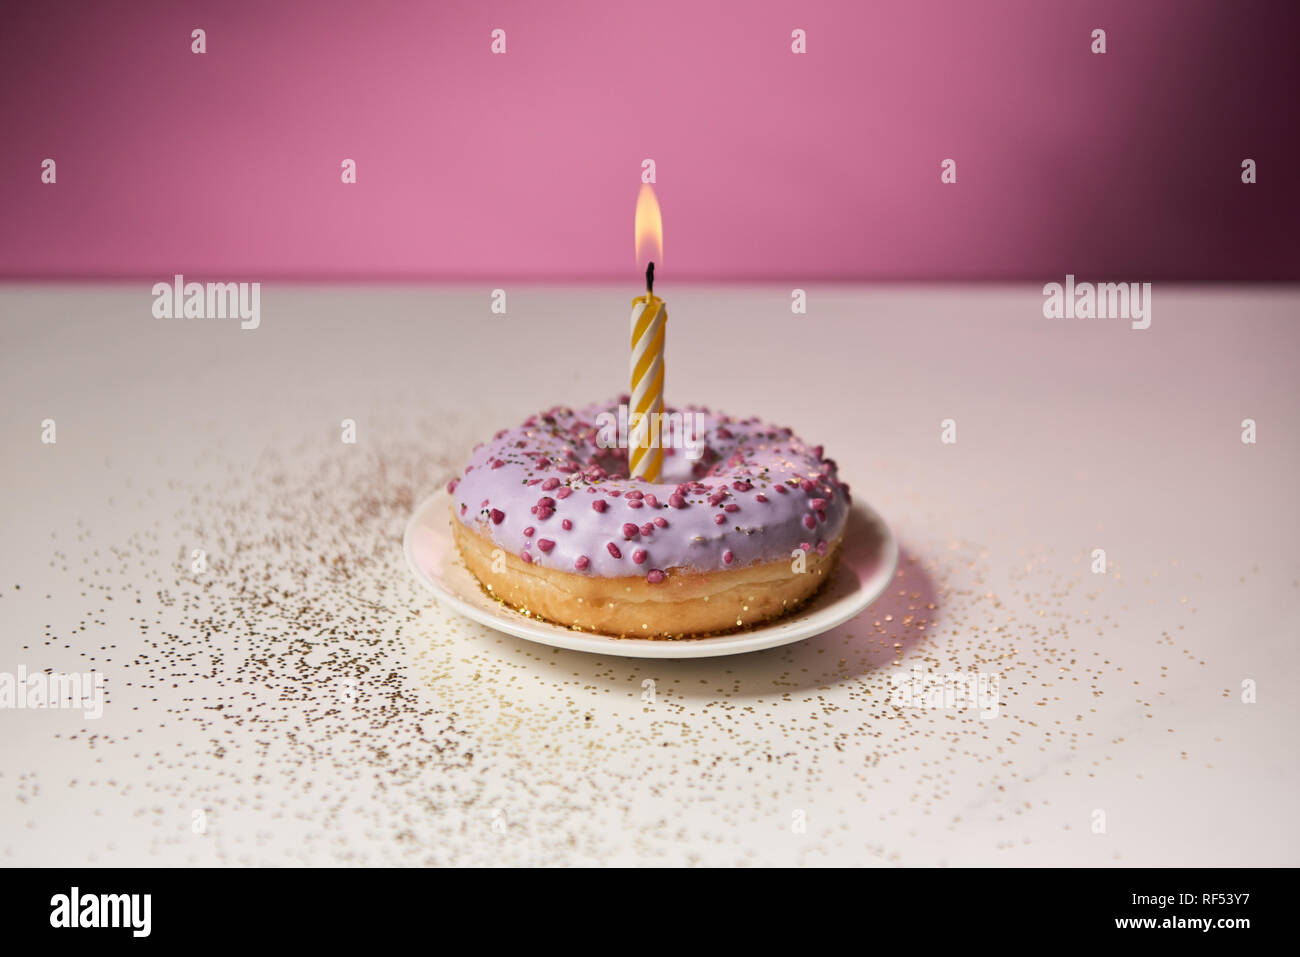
526 557
822 547
546 502
564 493
818 503
542 462
636 493
821 515
545 544
782 489
661 522
741 486
727 557
629 530
497 516
613 550
760 497
463 508
654 576
497 463
677 500
809 522
648 528
566 525
544 513
652 501
451 486
731 507
581 562
724 433
717 497
615 493
635 503
805 546
719 519
528 532
807 485
534 482
550 483
640 555
599 505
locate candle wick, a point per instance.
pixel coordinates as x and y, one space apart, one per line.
650 279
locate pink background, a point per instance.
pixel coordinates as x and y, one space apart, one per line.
1122 166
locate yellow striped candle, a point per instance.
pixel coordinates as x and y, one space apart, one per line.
645 454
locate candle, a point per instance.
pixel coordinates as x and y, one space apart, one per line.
645 454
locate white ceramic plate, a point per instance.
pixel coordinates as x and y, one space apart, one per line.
868 559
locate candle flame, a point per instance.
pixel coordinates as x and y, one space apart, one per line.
649 227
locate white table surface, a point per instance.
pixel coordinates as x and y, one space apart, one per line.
320 708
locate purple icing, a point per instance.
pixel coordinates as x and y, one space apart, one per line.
743 462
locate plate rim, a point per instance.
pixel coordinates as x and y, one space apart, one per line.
758 639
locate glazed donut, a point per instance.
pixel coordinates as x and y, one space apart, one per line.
744 524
